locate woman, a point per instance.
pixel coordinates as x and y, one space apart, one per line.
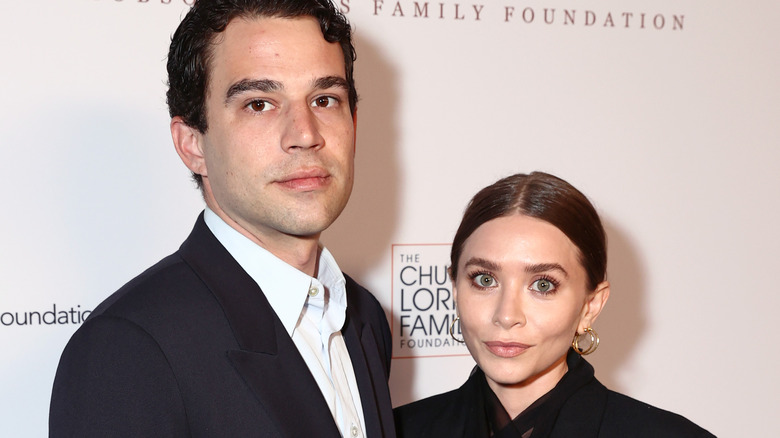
528 269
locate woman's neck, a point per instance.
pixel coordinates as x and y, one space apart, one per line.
519 396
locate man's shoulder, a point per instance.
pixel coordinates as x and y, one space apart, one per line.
155 288
168 304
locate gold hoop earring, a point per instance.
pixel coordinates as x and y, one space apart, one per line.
452 330
594 342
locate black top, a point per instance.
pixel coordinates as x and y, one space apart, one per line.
538 419
579 406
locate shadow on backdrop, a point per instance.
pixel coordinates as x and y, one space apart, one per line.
623 320
361 237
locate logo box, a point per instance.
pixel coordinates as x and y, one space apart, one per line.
423 307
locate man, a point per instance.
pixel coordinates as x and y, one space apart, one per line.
250 329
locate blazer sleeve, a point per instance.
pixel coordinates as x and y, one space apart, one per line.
113 380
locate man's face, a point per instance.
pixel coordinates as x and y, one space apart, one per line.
279 150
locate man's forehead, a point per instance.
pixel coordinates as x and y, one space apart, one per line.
273 41
270 51
268 26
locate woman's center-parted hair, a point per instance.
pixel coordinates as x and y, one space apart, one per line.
545 197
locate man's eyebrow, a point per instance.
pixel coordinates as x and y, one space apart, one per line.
264 85
543 267
326 82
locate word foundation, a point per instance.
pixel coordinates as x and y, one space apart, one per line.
573 17
428 343
526 15
48 317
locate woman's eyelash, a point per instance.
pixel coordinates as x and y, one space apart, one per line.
552 280
474 276
545 285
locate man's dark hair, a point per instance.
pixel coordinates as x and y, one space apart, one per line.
191 48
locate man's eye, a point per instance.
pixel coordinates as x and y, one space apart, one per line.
484 280
260 106
324 101
543 285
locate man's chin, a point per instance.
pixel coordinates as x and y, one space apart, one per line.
309 228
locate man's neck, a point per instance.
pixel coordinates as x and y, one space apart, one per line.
300 252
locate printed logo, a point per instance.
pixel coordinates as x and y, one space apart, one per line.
52 316
423 305
578 16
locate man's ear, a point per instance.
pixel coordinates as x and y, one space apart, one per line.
354 133
594 304
187 141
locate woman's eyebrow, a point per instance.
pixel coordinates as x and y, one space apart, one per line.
482 263
544 267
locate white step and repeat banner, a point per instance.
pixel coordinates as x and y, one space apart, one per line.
665 113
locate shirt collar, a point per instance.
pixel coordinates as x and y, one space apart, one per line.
285 287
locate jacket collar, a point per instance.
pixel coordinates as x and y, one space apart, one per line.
246 308
268 360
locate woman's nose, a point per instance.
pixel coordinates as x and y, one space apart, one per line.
510 310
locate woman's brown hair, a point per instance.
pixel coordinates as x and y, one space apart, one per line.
541 196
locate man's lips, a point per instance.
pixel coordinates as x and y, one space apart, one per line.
506 349
305 180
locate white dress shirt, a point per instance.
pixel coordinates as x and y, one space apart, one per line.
313 311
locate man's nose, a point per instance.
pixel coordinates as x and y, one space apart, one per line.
301 129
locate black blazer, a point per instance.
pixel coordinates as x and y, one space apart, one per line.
593 411
191 347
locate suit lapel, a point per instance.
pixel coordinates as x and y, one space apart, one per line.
266 357
372 382
284 386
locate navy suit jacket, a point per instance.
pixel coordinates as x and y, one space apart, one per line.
191 347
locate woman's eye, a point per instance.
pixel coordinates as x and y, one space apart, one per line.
543 285
260 106
324 101
484 280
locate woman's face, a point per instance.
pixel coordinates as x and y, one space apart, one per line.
521 294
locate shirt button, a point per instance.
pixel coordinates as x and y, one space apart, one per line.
354 430
313 291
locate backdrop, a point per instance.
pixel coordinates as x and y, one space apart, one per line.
665 113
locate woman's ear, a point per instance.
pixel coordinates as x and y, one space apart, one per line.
594 304
454 295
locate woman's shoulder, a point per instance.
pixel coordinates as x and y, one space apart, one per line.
427 406
422 411
625 415
441 414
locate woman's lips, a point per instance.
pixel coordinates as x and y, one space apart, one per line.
506 349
